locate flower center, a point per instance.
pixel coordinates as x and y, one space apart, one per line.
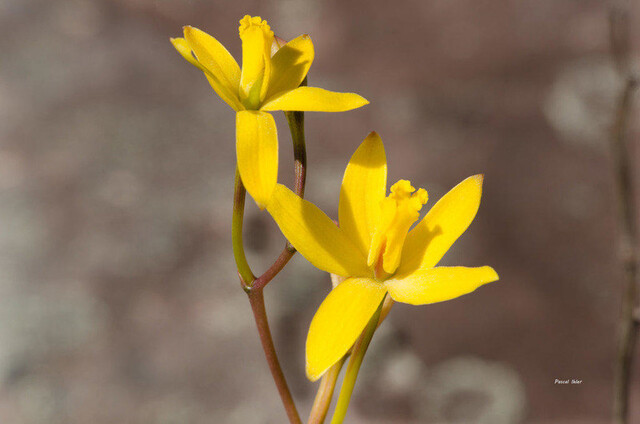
398 212
257 38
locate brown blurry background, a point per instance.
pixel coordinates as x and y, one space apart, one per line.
119 301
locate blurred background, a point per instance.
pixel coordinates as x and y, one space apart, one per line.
119 300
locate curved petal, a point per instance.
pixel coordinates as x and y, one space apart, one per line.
315 235
339 321
290 65
363 188
314 99
214 57
257 153
439 284
230 97
430 239
227 96
183 48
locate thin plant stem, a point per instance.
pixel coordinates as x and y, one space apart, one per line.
244 270
351 373
277 266
323 397
256 298
386 308
296 126
627 213
254 286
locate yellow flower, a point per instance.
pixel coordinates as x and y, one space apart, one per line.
374 249
266 83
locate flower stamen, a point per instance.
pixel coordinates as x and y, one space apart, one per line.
398 212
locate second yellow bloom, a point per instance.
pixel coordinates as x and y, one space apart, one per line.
375 250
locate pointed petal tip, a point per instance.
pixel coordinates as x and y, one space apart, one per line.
373 138
312 375
176 41
190 31
493 275
478 179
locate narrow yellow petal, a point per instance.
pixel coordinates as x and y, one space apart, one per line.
438 284
313 99
363 187
430 239
315 235
229 98
339 321
257 153
183 48
290 64
257 39
214 57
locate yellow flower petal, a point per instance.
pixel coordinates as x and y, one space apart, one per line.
183 48
313 99
315 235
339 321
227 96
214 57
438 284
225 84
257 152
257 38
430 239
290 64
363 188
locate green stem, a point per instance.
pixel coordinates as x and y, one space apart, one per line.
325 392
296 126
244 270
351 374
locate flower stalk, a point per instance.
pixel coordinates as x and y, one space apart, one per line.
256 299
324 394
237 219
296 127
351 373
254 286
